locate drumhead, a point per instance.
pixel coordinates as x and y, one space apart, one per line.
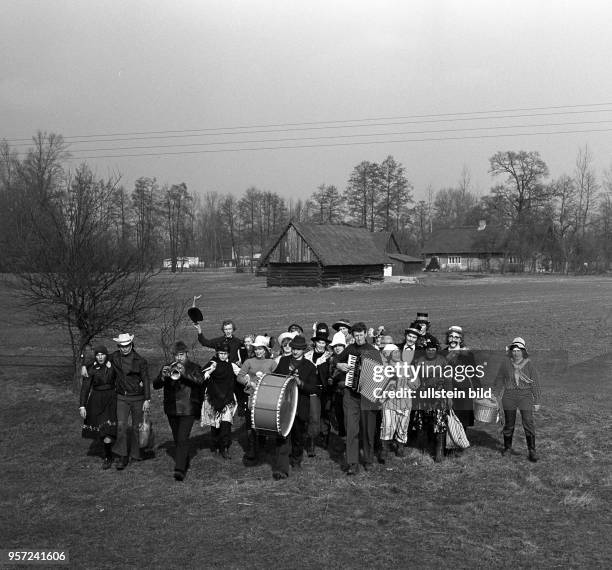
287 407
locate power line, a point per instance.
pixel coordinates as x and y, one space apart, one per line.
339 123
325 137
354 143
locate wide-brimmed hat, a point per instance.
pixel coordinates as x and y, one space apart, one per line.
100 349
195 314
338 339
412 330
341 323
261 341
286 335
518 342
179 346
295 325
298 342
455 329
124 339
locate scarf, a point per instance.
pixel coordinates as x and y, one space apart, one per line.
519 375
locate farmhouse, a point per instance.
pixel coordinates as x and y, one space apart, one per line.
466 248
325 254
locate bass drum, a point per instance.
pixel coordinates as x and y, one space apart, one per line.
274 404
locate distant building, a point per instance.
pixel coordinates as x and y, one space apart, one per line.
467 248
325 254
184 263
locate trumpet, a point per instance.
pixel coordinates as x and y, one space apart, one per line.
175 370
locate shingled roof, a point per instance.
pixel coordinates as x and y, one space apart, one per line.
335 244
464 239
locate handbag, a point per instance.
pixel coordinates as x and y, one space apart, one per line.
145 431
455 432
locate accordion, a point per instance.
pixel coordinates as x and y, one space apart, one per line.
349 381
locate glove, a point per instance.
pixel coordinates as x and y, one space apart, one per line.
83 412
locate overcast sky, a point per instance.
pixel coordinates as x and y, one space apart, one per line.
450 72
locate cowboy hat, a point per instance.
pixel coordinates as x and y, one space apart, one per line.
124 339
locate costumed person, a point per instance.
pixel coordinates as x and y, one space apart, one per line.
98 403
409 352
422 323
220 401
283 344
359 413
290 450
518 386
396 403
431 403
250 373
335 383
235 345
319 356
464 375
183 385
133 397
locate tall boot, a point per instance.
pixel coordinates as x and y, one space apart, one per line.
108 456
439 439
531 447
507 445
383 456
310 447
250 455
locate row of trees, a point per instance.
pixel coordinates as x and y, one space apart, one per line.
85 246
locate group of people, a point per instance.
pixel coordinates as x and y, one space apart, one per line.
330 372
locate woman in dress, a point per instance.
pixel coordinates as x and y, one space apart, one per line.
518 387
98 403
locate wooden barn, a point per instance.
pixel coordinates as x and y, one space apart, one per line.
323 255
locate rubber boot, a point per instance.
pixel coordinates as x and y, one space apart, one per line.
531 447
439 440
108 456
507 445
250 455
383 456
310 447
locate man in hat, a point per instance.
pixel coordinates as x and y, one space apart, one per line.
319 356
133 396
359 414
182 381
409 352
422 323
306 376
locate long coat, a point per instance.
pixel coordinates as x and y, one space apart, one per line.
307 373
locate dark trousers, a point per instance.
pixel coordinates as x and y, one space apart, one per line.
368 434
351 405
290 449
181 429
314 419
521 400
221 436
126 406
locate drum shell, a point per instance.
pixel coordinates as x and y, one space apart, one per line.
275 404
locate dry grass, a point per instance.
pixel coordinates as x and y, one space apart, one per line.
474 510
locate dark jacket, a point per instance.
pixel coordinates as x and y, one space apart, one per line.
360 351
134 380
307 373
99 377
182 397
234 344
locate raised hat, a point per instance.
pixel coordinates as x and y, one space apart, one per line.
195 314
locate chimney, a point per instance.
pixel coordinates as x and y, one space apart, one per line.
482 224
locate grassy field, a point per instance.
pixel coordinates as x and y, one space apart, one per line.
476 510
